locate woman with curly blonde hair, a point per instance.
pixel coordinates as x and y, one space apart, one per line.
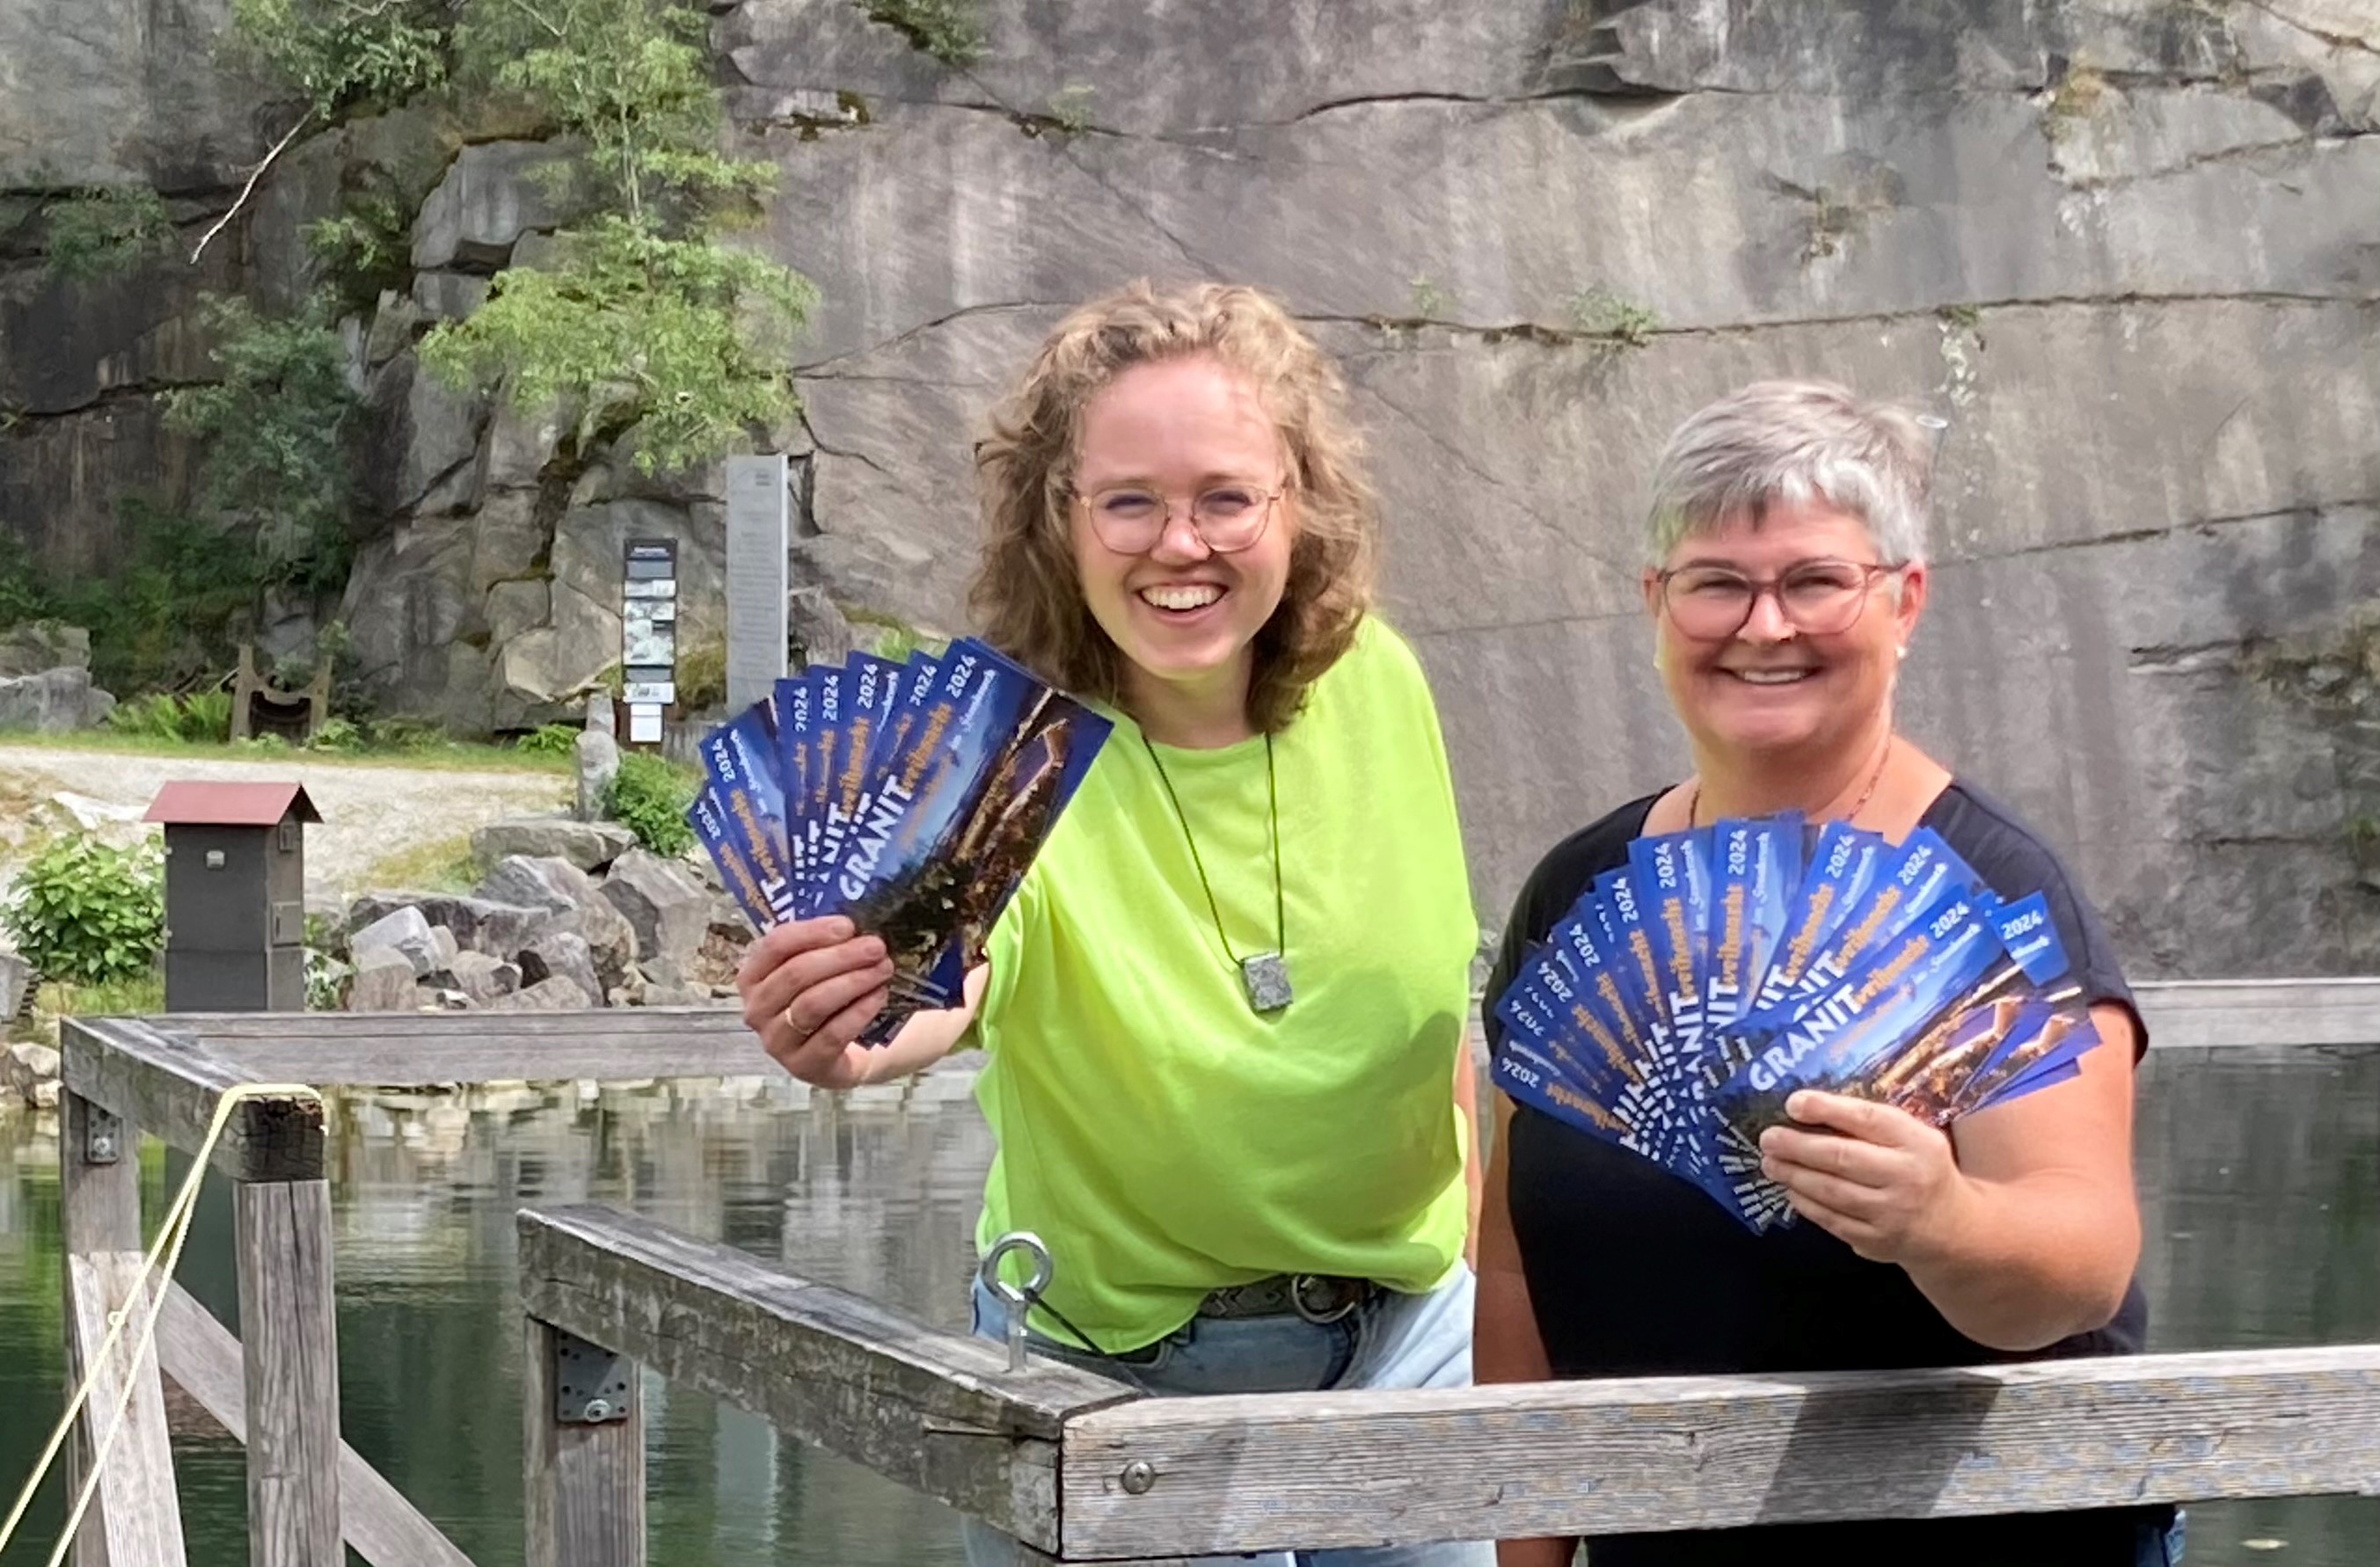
1224 1016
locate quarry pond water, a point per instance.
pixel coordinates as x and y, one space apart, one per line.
2260 1176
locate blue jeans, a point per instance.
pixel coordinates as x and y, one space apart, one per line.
1396 1341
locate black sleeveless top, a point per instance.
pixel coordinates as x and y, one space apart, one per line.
1634 1272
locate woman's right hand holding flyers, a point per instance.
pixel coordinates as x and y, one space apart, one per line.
809 987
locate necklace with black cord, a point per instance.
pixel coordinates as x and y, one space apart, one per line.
1263 975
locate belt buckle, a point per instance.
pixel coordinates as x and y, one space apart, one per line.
1299 1284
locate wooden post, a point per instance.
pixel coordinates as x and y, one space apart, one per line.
99 1210
98 1222
585 1480
289 1340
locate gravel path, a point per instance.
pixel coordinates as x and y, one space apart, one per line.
369 812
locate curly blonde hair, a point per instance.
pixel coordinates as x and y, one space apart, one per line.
1027 596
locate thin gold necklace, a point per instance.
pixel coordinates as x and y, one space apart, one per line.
1694 790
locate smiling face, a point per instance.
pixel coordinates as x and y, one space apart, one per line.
1183 615
1772 688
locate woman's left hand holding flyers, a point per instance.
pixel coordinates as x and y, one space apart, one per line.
1876 1178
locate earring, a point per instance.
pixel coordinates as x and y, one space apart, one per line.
1901 652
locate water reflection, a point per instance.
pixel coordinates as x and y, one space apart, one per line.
2261 1174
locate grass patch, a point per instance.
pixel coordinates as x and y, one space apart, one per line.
140 994
445 755
441 865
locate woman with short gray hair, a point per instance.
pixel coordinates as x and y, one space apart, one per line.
1785 576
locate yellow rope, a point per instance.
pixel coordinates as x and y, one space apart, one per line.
170 1236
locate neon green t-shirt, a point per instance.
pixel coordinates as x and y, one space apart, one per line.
1160 1136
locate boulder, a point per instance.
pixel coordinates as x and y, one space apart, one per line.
577 903
53 701
383 982
493 194
405 932
815 624
665 903
479 926
555 992
560 954
722 953
589 845
26 1066
678 995
484 979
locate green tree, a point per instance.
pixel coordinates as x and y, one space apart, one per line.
645 315
272 432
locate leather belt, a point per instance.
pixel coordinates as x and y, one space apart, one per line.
1315 1297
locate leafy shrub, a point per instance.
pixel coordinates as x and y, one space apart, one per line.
649 795
336 734
549 740
82 913
199 716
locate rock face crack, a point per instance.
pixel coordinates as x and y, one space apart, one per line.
857 456
2336 40
823 369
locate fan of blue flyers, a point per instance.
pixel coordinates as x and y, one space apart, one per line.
1684 997
910 797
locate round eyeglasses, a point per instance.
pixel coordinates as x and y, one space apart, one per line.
1711 603
1229 517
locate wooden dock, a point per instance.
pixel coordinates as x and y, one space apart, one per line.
1081 1468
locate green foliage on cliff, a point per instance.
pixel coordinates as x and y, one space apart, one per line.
272 433
349 56
644 315
950 30
106 230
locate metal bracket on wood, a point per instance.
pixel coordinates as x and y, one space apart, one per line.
592 1385
103 1135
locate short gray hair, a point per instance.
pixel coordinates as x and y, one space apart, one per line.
1794 443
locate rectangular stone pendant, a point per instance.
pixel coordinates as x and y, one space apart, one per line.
1267 978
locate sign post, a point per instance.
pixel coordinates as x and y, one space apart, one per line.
756 520
648 635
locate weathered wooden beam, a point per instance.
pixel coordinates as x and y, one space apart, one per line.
99 1210
202 1358
395 1050
584 1482
938 1411
289 1346
171 1084
1226 1474
2226 1012
136 1492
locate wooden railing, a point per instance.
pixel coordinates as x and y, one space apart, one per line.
1084 1469
1074 1464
